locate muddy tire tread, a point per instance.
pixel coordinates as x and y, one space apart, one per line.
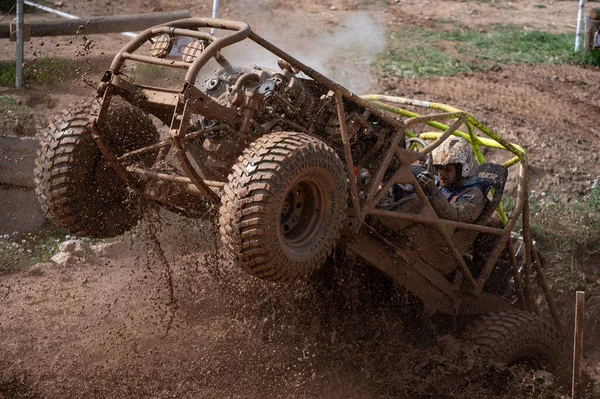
254 183
504 336
66 148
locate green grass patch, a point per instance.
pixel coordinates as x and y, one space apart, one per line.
419 52
45 71
8 103
509 45
420 61
572 229
18 251
569 235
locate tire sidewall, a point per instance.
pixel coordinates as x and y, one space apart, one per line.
251 211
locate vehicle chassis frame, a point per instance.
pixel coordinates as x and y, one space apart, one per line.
462 296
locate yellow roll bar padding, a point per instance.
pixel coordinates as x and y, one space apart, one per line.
492 140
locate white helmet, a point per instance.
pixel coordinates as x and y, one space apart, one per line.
455 150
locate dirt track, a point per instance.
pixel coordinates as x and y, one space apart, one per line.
157 320
151 320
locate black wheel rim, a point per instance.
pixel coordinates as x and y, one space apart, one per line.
302 213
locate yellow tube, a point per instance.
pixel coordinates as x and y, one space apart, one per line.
376 100
494 141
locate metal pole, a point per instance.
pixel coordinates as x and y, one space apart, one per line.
215 12
20 44
579 25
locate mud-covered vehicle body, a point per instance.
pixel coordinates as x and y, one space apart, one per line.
297 165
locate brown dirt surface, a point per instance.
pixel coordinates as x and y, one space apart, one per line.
162 315
153 319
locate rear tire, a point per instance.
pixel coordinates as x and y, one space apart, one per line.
516 336
77 189
284 205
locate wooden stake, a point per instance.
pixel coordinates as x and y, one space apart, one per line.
578 340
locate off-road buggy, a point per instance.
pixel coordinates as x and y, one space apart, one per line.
296 165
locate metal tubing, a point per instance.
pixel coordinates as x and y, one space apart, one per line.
173 178
521 193
241 31
515 149
339 102
528 248
20 45
155 61
167 144
492 259
190 171
542 282
393 180
458 257
48 9
183 32
215 13
247 77
371 201
177 133
373 189
108 154
215 10
521 200
449 130
578 341
213 50
420 219
579 28
516 273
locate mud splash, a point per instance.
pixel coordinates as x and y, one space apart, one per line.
166 315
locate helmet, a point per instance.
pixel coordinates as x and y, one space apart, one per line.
455 150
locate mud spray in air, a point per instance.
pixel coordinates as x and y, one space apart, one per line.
152 231
200 323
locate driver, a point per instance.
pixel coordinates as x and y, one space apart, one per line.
454 199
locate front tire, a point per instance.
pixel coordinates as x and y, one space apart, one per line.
284 205
77 189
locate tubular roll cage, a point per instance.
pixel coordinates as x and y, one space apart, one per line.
192 100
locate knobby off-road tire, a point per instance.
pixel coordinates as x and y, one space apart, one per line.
78 190
284 205
516 336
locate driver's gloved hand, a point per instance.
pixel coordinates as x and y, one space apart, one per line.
427 182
